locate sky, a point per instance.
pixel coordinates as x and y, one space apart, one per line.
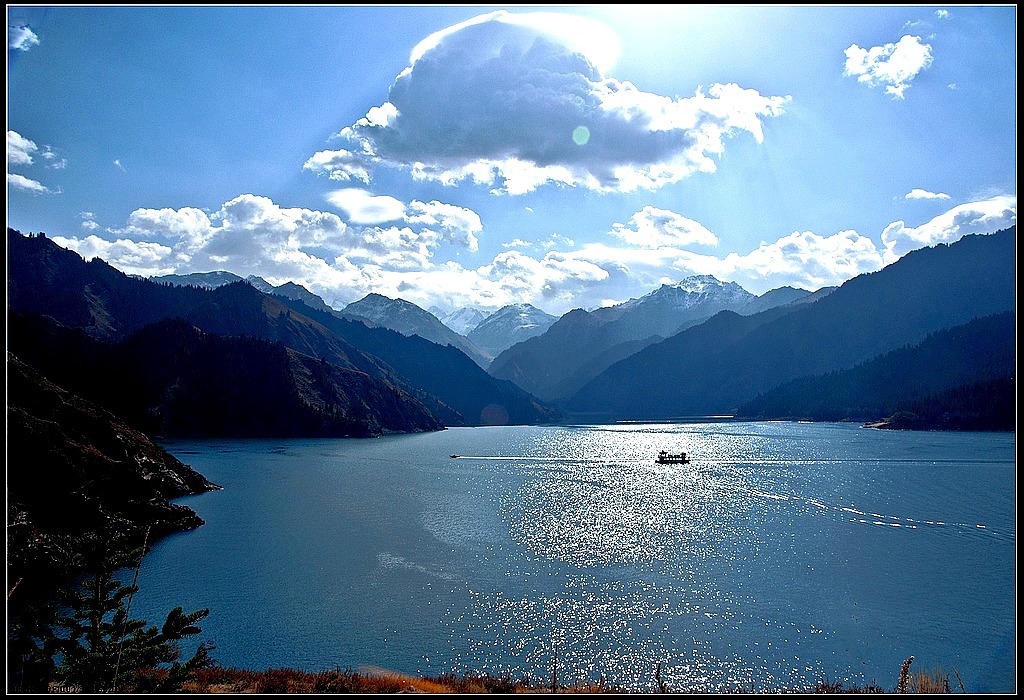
563 156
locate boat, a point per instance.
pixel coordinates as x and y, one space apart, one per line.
665 457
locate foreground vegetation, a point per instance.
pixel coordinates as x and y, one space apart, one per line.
281 680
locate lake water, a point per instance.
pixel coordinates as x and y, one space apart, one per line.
784 554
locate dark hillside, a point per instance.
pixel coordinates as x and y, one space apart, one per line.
441 371
980 351
721 364
174 380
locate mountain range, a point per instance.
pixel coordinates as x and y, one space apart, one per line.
509 325
409 319
212 280
45 279
172 379
581 344
729 360
72 466
880 343
479 335
977 357
461 320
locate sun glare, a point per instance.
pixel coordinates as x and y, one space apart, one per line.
590 37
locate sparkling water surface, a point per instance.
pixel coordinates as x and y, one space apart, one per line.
784 554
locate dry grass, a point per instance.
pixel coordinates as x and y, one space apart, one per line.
377 680
931 681
282 680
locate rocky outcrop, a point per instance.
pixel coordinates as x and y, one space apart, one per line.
73 467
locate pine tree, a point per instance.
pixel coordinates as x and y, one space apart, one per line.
104 648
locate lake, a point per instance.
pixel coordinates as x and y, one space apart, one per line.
784 554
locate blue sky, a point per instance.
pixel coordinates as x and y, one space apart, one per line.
562 156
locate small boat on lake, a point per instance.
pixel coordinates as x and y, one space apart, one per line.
665 457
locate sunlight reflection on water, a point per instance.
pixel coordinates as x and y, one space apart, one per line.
781 555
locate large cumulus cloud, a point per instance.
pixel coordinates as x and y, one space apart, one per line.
506 102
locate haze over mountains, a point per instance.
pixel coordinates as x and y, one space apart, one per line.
510 325
582 344
462 321
408 319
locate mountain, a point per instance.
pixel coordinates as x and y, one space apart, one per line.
409 319
509 325
582 344
213 280
290 290
441 371
981 351
782 296
463 320
174 380
45 279
727 361
206 280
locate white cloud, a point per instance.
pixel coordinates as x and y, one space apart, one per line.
456 225
986 216
88 220
801 259
362 207
942 14
658 228
343 261
19 149
891 65
517 243
247 235
558 239
497 100
925 194
557 280
339 165
188 228
23 183
132 257
21 38
53 160
428 223
253 235
586 36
